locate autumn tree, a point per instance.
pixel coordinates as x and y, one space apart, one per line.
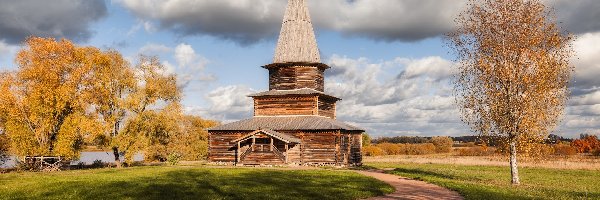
513 70
586 144
191 142
41 104
151 106
64 96
168 131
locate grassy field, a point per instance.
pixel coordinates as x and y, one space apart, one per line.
185 182
493 182
554 162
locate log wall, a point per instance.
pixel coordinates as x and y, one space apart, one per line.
296 77
220 147
317 147
289 105
327 107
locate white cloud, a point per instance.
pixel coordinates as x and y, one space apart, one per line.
187 57
226 104
414 101
436 68
587 61
592 98
154 49
188 64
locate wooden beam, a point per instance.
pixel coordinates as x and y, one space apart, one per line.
271 147
286 153
253 142
238 152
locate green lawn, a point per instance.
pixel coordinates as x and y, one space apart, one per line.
492 182
196 182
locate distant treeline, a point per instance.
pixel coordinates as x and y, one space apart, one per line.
552 139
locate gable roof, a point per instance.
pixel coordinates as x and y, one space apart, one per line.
297 42
272 133
280 123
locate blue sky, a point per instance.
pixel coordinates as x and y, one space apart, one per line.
389 64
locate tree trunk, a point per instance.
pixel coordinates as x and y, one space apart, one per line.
514 171
117 160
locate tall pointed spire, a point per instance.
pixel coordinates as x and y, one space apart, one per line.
297 41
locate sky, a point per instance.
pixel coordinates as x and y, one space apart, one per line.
388 60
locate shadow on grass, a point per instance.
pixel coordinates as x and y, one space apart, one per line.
211 184
423 173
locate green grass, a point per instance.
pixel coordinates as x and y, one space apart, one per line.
493 182
162 182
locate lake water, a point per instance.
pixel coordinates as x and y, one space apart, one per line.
86 157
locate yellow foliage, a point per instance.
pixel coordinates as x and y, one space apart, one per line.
63 96
513 71
373 151
442 144
43 94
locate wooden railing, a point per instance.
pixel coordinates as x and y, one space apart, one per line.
278 153
243 155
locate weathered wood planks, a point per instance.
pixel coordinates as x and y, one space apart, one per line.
296 77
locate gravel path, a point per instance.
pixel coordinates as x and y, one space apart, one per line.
410 189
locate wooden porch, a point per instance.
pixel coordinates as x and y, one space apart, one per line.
260 148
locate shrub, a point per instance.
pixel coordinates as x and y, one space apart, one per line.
564 150
390 149
587 144
373 151
420 149
596 152
442 144
27 165
173 158
476 151
98 164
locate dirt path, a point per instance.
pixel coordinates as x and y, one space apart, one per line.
410 189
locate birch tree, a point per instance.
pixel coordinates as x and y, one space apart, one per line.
513 70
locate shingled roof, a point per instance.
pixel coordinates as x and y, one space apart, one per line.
297 42
302 91
280 123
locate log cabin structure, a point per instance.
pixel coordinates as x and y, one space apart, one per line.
295 121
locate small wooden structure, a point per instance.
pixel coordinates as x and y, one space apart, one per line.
295 121
45 163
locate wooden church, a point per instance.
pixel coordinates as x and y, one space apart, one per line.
295 121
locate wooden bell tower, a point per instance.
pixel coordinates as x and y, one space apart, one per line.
296 76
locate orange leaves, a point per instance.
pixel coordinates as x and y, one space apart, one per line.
587 144
46 101
64 95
